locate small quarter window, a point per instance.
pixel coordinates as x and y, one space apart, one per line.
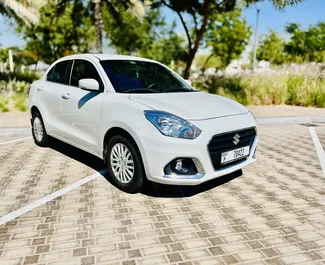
60 73
49 75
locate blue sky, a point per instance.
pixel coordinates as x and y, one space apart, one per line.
307 13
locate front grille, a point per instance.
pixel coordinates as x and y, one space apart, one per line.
224 142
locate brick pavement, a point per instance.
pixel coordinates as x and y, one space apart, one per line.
273 214
321 136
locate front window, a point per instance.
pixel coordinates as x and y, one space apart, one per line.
84 69
129 76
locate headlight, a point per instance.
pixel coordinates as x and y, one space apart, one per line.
171 125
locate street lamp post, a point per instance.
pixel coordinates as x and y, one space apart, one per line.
255 40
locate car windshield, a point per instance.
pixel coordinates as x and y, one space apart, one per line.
129 76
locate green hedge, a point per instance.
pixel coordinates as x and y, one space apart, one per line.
27 76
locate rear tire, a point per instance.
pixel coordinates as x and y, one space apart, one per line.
38 130
124 164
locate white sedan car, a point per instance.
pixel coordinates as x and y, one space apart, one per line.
142 119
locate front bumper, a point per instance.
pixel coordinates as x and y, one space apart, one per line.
157 150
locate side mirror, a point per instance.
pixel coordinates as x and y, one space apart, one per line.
89 84
188 82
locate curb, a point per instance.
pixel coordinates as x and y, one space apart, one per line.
15 131
290 120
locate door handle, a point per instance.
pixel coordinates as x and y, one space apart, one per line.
65 96
39 89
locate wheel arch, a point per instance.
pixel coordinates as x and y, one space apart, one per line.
120 131
34 109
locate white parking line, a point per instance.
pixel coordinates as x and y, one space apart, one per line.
17 140
318 147
50 197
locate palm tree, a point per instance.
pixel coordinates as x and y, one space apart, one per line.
135 7
27 10
98 15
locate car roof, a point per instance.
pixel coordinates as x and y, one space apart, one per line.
104 56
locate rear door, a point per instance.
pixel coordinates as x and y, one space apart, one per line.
81 109
49 96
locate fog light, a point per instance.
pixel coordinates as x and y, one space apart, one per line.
181 166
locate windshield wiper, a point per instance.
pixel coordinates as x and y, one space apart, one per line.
140 90
179 89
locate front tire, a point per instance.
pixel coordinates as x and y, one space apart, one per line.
124 164
38 130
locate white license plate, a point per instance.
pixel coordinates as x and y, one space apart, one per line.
233 155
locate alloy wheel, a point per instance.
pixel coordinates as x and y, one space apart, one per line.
122 163
38 129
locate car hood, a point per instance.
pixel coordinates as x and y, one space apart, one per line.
191 105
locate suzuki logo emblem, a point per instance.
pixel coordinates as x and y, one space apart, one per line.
236 139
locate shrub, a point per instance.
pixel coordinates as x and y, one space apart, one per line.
27 76
13 86
4 104
20 102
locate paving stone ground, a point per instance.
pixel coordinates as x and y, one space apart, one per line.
321 136
273 214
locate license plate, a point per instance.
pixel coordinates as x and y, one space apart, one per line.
233 155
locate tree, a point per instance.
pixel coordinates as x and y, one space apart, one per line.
228 36
149 37
169 48
205 61
129 34
306 45
271 48
112 6
26 11
72 32
201 13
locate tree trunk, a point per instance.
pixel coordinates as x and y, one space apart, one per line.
194 50
36 65
99 25
199 36
189 63
206 64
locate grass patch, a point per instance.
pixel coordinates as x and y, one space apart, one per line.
267 89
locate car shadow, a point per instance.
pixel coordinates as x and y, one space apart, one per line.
150 189
175 191
77 154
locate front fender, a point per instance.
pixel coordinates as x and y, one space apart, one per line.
118 111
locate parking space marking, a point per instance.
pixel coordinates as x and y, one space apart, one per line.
50 197
318 147
17 140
